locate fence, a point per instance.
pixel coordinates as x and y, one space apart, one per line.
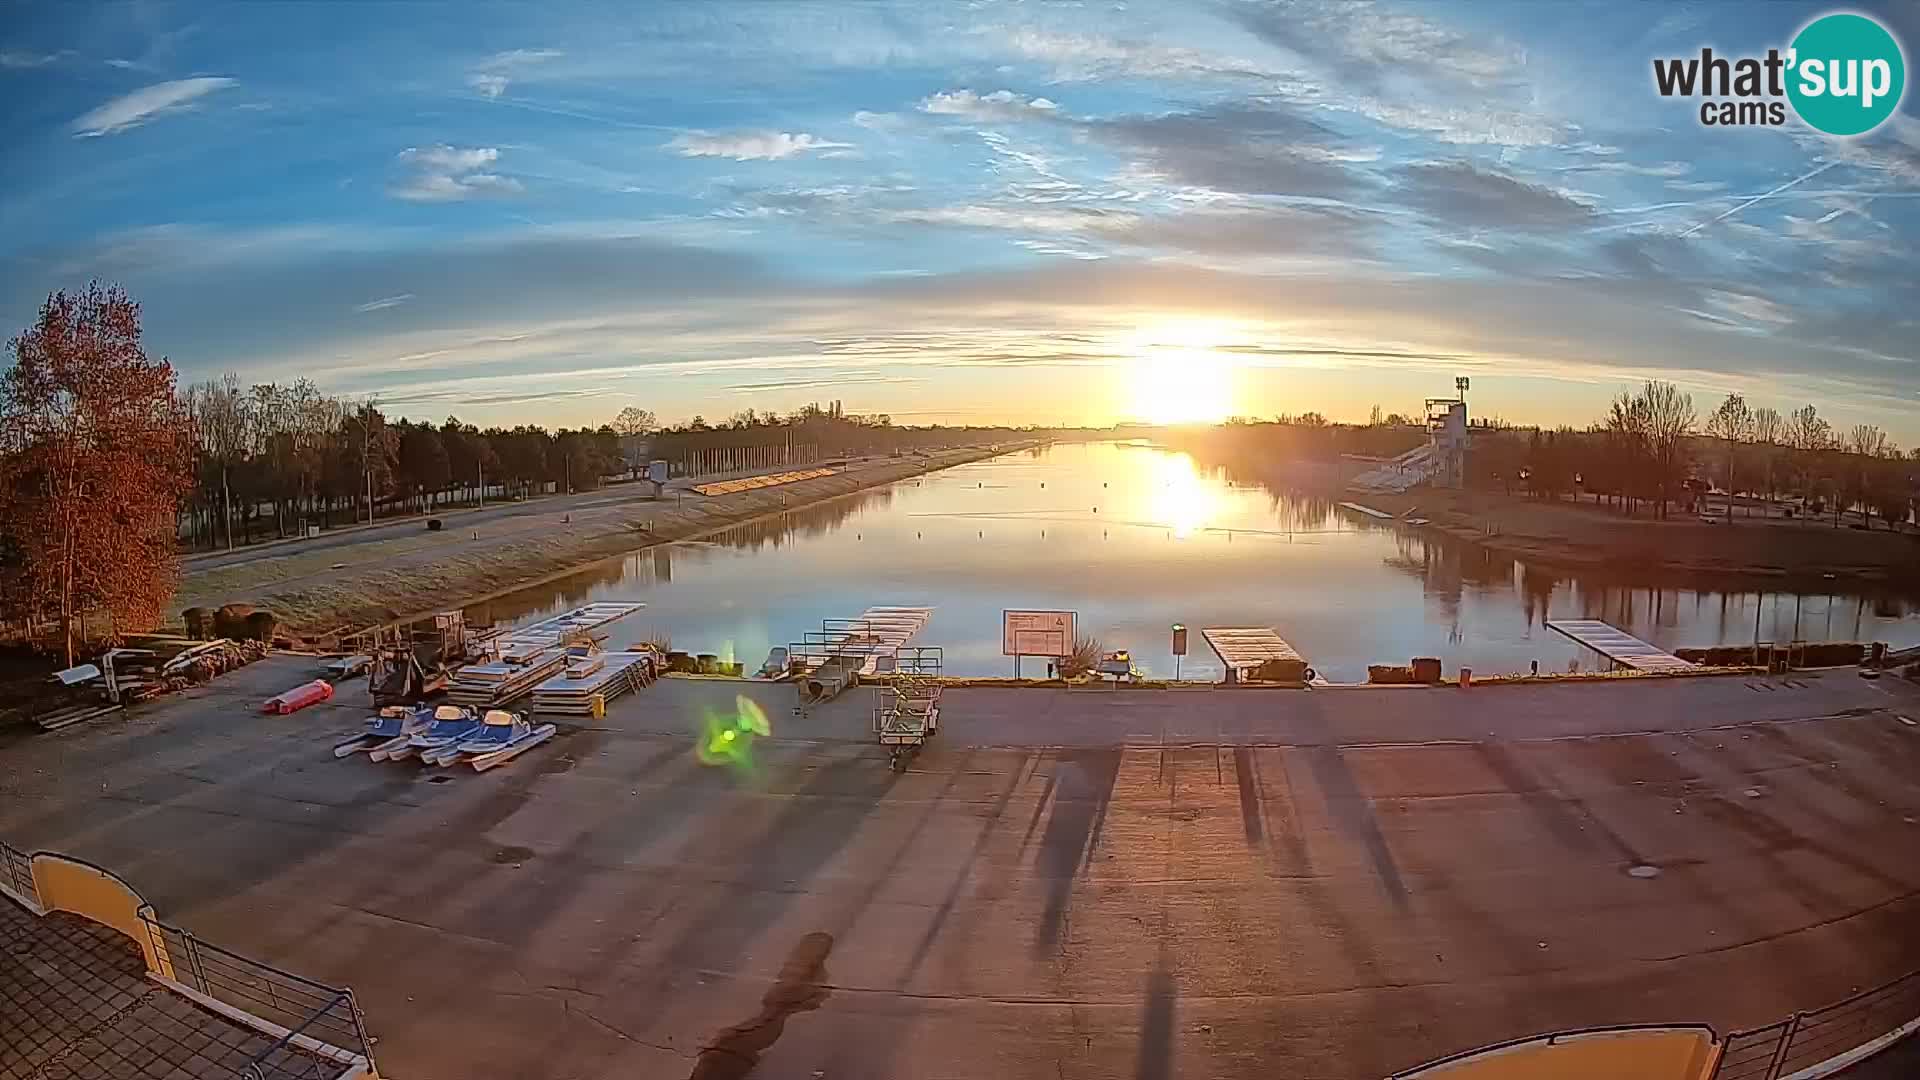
1808 1038
320 1022
16 873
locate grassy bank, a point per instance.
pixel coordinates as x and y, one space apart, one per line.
1582 536
382 580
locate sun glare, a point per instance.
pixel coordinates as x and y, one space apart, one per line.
1177 375
1180 497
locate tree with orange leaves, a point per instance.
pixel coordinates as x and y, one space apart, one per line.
95 453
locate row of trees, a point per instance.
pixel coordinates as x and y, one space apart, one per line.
271 457
1653 451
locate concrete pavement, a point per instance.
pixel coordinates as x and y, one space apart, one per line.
1070 884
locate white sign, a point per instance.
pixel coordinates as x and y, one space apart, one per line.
1036 633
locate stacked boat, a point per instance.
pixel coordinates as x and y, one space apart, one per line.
530 655
590 679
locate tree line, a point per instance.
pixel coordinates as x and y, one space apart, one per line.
1654 452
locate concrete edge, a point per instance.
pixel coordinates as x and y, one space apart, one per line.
264 1026
28 902
1856 1055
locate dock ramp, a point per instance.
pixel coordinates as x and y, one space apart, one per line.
1619 646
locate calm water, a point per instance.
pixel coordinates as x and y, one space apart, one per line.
1135 539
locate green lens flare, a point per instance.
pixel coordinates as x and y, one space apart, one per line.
728 739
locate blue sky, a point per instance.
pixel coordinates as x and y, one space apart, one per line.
983 211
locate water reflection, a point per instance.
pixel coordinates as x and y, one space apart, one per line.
1135 539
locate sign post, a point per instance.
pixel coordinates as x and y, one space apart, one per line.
1179 648
1035 633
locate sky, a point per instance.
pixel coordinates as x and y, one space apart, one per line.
959 212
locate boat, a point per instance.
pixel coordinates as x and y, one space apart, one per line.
393 724
450 724
501 736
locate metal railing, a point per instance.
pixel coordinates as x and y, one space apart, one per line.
16 872
1809 1038
310 1012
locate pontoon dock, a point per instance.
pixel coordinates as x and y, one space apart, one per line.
1619 646
602 675
1247 649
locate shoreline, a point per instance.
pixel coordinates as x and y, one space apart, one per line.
1683 551
341 590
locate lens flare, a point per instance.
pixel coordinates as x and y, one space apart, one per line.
728 739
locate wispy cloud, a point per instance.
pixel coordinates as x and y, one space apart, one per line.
449 174
383 303
752 145
1000 105
19 60
492 75
144 104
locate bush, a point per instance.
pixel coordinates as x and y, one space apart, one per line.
230 621
260 626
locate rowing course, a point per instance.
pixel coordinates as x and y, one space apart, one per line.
1359 885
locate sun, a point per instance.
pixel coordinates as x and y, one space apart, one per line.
1176 373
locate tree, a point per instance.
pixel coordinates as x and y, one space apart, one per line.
1767 426
1732 421
1808 433
423 462
632 423
223 421
95 453
1868 444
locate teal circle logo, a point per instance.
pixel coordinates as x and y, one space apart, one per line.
1846 74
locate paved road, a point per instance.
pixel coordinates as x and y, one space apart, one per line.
1221 884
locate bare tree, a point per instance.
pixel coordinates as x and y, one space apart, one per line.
1767 426
1808 433
1868 444
1732 421
632 423
1670 421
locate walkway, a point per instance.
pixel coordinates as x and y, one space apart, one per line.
79 1006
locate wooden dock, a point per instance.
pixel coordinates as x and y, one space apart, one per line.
1366 510
1255 653
1619 646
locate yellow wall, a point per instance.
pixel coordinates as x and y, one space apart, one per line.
66 885
1646 1054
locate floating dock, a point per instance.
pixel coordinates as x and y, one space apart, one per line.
569 626
1256 653
1619 646
602 675
870 643
749 483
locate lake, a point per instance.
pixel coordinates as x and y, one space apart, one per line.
1135 539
